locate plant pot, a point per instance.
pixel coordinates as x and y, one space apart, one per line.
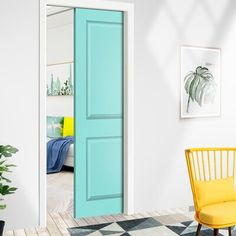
2 223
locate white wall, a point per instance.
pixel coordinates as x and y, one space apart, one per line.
60 48
19 119
161 180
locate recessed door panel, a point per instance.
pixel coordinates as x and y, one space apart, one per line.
103 102
104 182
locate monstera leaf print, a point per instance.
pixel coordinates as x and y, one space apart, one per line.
200 86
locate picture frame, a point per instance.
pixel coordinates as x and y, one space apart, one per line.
200 82
60 79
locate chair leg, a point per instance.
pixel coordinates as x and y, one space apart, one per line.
198 229
216 231
229 231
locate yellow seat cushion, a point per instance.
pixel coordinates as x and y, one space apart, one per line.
219 214
68 126
214 191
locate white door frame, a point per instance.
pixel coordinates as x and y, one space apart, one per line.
128 10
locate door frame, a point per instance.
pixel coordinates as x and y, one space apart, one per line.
128 10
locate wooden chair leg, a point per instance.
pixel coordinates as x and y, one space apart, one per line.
229 231
216 231
198 229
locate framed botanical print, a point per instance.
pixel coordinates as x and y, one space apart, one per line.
200 82
60 81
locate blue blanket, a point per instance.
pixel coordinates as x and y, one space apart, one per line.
57 150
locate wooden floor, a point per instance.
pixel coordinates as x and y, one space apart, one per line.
60 199
57 223
60 189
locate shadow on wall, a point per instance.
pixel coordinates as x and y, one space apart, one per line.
161 27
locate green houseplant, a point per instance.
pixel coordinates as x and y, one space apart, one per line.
6 151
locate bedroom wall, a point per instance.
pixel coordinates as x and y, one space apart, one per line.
161 180
60 48
19 103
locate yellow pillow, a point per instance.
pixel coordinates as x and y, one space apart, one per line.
215 191
68 127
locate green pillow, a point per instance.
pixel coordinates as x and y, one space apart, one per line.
54 126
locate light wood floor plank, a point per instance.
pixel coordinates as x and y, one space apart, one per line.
100 220
138 216
31 232
154 213
165 212
8 233
91 220
109 219
52 227
133 217
145 214
180 210
119 217
19 232
42 231
81 222
61 225
70 222
128 217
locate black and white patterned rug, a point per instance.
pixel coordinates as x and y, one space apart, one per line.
143 227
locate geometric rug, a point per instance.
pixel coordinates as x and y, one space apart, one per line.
143 227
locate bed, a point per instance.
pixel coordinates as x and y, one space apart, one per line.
58 127
70 155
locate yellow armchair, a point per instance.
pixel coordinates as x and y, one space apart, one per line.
211 173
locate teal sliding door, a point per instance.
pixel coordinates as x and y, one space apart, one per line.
98 112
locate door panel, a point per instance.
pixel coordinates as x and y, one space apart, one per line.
109 151
98 112
99 75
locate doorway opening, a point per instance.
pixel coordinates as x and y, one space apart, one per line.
127 10
60 109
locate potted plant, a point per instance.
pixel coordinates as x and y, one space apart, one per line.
5 188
